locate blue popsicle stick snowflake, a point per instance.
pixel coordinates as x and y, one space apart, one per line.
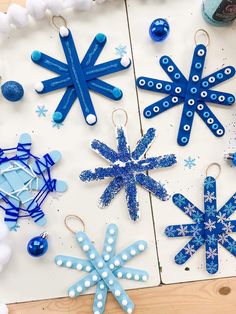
126 170
105 270
25 182
193 92
209 228
79 77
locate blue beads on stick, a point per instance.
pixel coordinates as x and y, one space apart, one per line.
159 30
38 246
12 91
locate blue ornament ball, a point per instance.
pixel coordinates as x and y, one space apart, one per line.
12 91
38 246
159 29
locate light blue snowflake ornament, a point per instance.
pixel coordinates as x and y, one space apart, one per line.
104 270
209 228
79 77
126 170
194 92
26 181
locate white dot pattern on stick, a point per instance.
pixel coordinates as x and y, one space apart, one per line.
104 270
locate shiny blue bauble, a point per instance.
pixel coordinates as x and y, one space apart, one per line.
159 30
37 246
12 91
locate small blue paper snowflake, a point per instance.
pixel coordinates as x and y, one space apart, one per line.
210 228
79 77
41 111
104 270
126 170
121 51
193 92
57 125
190 162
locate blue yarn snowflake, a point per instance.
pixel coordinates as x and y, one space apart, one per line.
126 170
79 77
209 228
26 181
104 270
193 92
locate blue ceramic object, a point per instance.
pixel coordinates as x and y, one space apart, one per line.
159 29
12 91
38 246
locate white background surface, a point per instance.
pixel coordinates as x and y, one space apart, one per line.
29 279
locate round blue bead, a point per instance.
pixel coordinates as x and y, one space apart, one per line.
159 30
37 246
12 91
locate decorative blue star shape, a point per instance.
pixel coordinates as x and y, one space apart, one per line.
105 270
25 182
79 77
121 51
193 92
126 170
209 228
190 162
41 111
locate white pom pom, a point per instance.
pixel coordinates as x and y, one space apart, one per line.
17 15
3 309
125 61
36 8
55 6
3 231
4 24
64 31
81 5
5 254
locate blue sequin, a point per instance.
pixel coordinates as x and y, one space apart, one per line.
12 91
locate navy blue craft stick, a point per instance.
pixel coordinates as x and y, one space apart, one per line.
78 78
111 191
132 197
193 92
143 144
65 105
103 150
122 145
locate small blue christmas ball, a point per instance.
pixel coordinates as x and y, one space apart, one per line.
12 91
159 29
37 246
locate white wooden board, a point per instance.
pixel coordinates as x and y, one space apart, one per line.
185 18
25 278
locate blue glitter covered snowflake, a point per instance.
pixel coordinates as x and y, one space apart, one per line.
209 228
193 92
104 270
126 170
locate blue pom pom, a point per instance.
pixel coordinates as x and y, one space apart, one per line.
159 30
37 246
12 91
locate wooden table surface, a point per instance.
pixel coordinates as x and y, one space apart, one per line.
207 297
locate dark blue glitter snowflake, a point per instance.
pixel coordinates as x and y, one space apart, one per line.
126 170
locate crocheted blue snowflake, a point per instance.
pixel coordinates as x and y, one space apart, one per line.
193 92
209 228
126 170
104 270
25 182
79 77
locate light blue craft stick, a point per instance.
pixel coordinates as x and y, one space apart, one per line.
108 252
105 273
131 274
74 263
24 145
84 284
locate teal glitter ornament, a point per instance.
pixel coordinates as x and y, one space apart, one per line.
159 29
12 91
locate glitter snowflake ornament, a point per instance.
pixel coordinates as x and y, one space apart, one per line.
209 228
193 92
25 182
126 170
104 270
79 77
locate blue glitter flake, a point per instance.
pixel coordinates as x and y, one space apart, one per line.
126 170
210 228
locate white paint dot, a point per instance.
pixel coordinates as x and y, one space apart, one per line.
111 266
111 282
59 262
92 256
132 252
79 289
112 231
95 277
144 278
99 305
104 274
88 268
85 248
136 277
79 266
110 240
119 274
117 262
80 239
87 283
100 265
128 276
129 310
141 247
101 286
107 257
124 257
99 296
97 312
71 293
91 118
68 264
109 249
124 302
117 293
